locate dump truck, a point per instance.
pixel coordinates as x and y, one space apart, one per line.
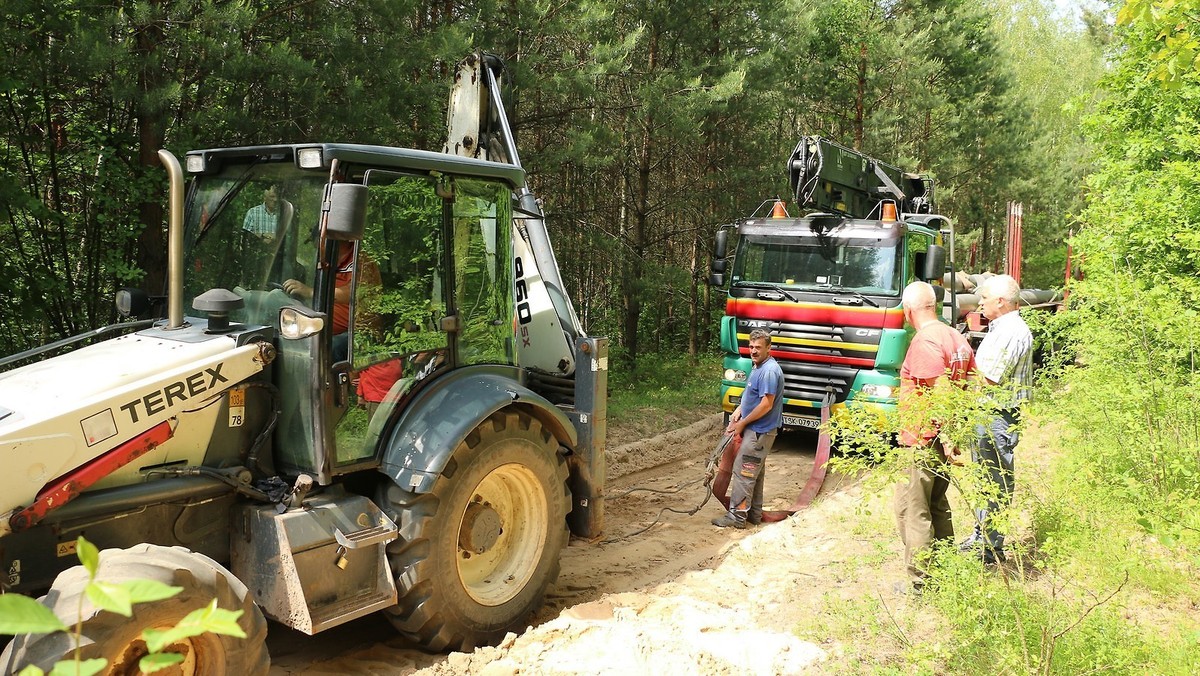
365 390
827 283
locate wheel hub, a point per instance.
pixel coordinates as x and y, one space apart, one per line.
127 663
481 528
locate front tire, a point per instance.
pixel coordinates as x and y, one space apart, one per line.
118 640
476 554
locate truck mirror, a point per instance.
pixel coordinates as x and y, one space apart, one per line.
934 264
717 267
347 211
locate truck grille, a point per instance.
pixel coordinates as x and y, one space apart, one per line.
810 381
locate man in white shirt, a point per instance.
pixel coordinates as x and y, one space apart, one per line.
1004 359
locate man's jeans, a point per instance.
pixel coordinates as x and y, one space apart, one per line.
994 452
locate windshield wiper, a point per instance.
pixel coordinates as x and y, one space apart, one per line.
856 294
773 287
226 198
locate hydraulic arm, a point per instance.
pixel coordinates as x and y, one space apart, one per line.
831 177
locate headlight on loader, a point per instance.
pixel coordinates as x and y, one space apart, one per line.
295 324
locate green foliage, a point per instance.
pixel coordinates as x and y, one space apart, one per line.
1056 67
23 615
661 393
1013 625
1055 340
199 621
645 126
1135 325
64 668
1113 525
1178 44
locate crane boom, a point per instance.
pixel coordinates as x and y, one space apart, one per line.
830 177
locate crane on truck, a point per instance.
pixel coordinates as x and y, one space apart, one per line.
382 401
827 283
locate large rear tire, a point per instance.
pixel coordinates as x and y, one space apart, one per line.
117 639
476 554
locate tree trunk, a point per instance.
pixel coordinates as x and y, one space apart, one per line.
860 97
151 251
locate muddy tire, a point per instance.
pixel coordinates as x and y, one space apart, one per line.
118 640
476 554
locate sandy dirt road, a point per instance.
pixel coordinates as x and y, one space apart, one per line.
682 597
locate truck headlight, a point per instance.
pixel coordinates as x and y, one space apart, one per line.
877 391
735 375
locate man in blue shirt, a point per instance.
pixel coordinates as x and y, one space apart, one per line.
758 418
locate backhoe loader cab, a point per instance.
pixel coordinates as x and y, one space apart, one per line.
426 288
368 393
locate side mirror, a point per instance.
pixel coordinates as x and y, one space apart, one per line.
934 264
346 211
718 265
722 246
132 302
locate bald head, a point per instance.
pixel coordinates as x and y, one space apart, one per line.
919 295
920 304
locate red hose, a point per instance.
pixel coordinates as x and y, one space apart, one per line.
720 487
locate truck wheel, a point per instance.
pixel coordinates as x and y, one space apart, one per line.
476 554
118 639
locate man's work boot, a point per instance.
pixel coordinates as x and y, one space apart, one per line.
754 519
727 520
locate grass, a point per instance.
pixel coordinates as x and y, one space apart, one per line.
660 394
1090 591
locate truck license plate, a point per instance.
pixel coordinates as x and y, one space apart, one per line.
796 421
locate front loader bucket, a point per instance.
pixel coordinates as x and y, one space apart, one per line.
318 566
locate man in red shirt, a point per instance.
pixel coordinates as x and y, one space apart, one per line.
936 351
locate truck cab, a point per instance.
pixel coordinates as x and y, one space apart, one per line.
827 284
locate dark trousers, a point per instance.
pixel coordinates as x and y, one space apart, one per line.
995 452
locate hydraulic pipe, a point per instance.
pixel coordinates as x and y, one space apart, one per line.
535 224
174 240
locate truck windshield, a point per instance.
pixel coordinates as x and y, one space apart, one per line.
249 229
865 265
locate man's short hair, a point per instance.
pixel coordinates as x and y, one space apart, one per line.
918 295
1002 286
760 334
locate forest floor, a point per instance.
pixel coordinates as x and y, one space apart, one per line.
683 596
